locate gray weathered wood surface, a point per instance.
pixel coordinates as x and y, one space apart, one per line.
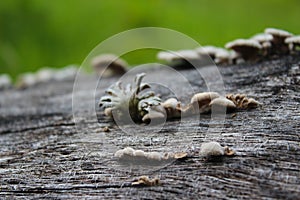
44 155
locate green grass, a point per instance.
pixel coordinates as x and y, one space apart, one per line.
37 33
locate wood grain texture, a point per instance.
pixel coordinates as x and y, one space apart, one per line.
45 155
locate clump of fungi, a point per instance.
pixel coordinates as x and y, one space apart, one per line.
272 42
144 107
131 155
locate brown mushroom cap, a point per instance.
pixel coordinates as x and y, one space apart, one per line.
247 48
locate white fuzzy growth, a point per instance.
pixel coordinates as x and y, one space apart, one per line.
211 149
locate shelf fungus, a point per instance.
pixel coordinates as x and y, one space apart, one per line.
242 102
109 65
146 181
119 101
214 149
131 155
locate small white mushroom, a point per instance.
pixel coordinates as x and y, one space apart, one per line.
279 36
26 80
293 42
5 81
44 74
209 149
109 65
180 56
248 49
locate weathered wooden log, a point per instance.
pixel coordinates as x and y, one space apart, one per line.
44 154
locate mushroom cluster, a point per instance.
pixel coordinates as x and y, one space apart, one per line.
144 107
46 74
272 42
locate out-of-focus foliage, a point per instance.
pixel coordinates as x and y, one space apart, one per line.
37 33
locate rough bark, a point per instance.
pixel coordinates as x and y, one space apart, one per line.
44 155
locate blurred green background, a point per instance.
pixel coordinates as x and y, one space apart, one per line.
56 33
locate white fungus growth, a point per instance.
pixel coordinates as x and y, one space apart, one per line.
109 65
219 55
181 55
5 81
139 155
214 149
293 42
46 74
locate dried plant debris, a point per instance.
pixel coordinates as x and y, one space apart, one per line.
120 101
107 65
242 102
214 149
131 155
146 181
